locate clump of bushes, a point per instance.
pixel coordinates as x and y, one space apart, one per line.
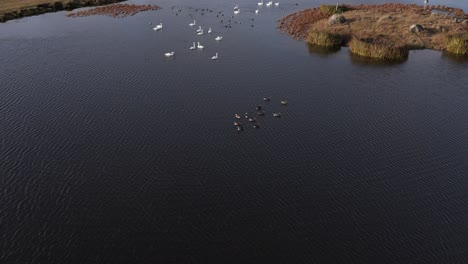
324 39
380 49
457 44
331 9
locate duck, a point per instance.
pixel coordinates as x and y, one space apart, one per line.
237 116
251 119
266 99
169 54
256 126
193 24
209 31
284 102
261 113
218 38
200 46
193 46
237 123
240 128
215 57
158 27
200 33
260 3
259 107
277 114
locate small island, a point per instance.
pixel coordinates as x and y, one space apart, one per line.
382 32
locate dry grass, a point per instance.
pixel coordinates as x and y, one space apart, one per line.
457 44
324 39
381 49
332 9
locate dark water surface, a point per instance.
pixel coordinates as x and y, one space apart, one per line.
112 153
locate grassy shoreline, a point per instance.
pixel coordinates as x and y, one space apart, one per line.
15 9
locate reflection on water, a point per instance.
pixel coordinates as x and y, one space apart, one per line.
455 58
360 60
321 50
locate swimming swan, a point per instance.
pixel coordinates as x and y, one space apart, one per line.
158 27
169 54
193 47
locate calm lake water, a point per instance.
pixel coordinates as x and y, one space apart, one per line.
112 153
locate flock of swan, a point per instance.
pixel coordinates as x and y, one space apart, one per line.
198 46
200 31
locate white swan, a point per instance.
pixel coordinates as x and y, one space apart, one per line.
260 3
236 7
199 29
256 11
193 46
209 31
277 4
215 57
200 46
237 11
269 3
169 54
199 33
218 38
193 24
158 27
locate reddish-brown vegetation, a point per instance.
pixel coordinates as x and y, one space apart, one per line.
298 24
117 10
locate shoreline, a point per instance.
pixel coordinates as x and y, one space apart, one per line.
16 10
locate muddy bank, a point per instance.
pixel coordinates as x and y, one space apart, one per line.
31 9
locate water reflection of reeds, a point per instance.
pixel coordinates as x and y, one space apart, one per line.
321 50
360 60
455 58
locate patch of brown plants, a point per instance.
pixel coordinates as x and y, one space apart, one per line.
116 11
